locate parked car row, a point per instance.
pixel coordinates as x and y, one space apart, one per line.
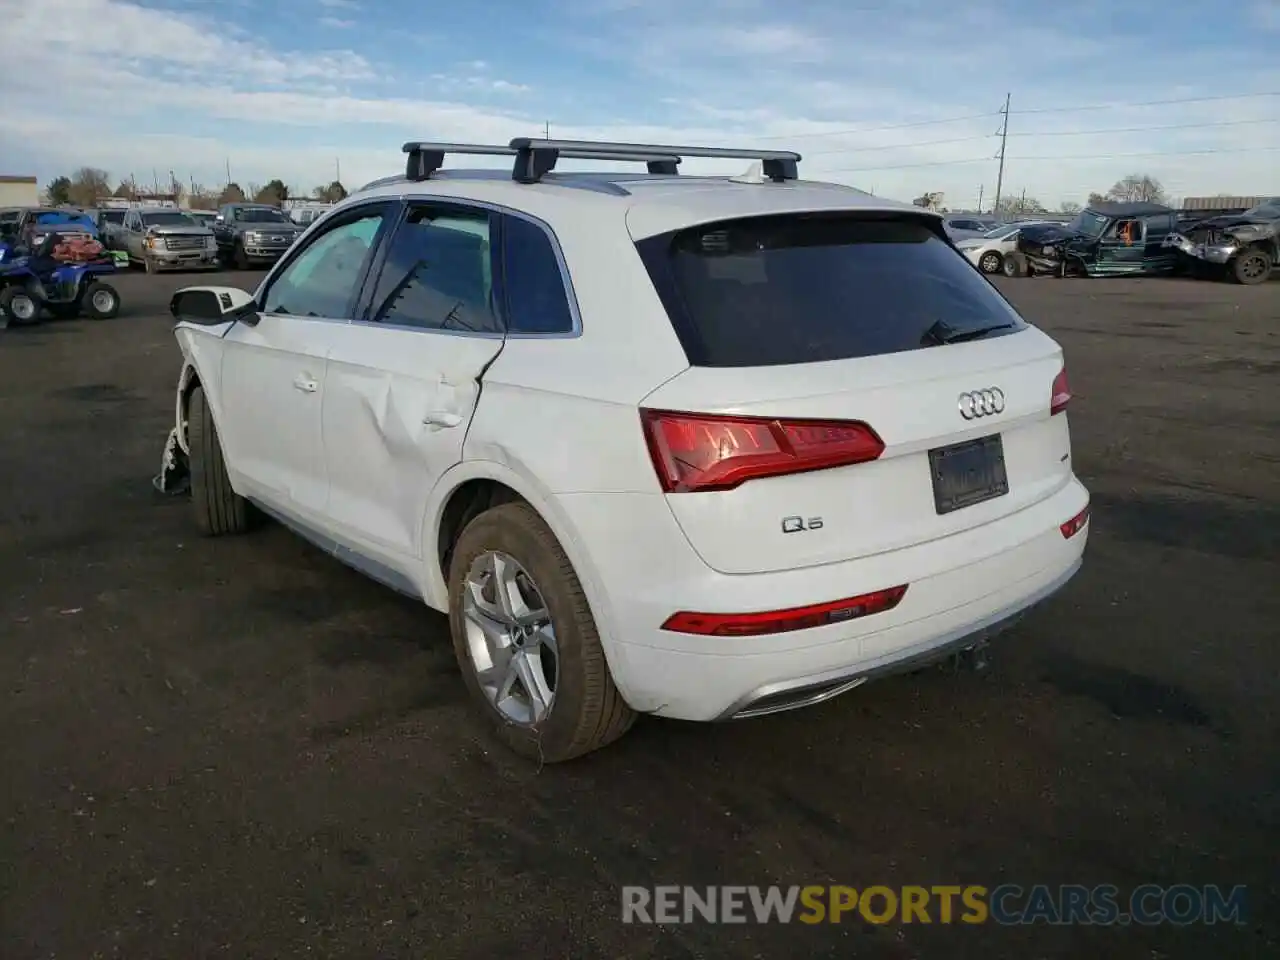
160 238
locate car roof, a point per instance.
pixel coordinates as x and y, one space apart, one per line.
650 203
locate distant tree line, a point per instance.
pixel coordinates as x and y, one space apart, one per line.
1133 188
87 186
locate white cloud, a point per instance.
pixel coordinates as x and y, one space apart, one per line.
1266 14
843 85
336 23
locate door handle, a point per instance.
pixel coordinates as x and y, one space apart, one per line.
441 418
305 384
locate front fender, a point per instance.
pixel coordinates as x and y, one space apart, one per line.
434 588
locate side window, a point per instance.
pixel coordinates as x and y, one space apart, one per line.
1126 231
324 278
531 276
438 273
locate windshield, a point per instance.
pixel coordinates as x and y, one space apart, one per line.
803 289
64 219
1089 223
167 220
1002 231
261 216
1268 209
113 216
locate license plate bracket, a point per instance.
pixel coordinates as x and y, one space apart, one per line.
968 473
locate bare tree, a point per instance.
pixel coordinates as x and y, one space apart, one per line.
333 193
1137 187
1069 206
274 193
88 186
1018 207
231 193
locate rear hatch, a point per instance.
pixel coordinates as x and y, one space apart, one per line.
855 387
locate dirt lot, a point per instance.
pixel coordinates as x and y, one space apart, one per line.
241 749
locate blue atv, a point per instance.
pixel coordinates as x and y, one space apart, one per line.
30 283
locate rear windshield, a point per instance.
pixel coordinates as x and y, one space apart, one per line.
793 289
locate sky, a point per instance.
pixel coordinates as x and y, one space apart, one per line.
897 97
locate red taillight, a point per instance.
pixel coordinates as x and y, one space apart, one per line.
1075 524
784 621
694 451
1060 395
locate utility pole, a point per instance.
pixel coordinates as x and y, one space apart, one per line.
1004 136
546 130
337 169
228 170
980 187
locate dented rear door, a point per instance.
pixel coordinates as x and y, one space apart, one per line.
404 378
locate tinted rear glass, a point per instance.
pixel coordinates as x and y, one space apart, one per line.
805 288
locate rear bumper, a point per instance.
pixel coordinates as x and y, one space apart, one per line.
962 590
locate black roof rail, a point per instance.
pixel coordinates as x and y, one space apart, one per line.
535 157
425 158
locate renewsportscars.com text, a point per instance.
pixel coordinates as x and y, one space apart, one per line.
1008 904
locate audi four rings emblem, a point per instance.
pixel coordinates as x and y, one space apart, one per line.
981 403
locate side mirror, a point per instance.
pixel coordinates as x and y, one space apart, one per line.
210 306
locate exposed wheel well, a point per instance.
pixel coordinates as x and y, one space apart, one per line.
465 504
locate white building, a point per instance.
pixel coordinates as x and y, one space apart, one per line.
19 192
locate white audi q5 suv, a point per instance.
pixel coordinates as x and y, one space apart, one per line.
701 447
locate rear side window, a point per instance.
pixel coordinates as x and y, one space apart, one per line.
535 287
790 289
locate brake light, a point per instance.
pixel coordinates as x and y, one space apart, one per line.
1075 524
700 452
784 621
1060 395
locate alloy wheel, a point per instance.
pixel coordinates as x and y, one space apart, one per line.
102 301
510 637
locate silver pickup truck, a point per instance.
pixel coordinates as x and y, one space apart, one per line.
167 240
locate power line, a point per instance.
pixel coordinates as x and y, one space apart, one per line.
1045 133
1055 159
998 113
1154 103
895 126
899 146
1169 126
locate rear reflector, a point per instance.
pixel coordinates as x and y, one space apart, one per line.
1060 395
699 452
1075 524
784 621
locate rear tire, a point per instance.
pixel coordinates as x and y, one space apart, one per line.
1013 266
1252 266
100 301
586 711
219 510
